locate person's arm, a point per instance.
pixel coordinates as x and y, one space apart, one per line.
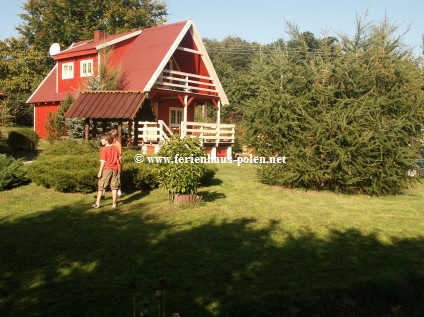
102 164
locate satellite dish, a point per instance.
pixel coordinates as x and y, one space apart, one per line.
54 49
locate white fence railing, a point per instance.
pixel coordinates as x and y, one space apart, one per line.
186 82
156 132
153 131
209 132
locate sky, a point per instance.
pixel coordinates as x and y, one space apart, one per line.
264 21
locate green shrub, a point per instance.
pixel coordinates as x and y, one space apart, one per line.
66 173
139 176
181 178
209 171
72 147
23 139
72 166
12 173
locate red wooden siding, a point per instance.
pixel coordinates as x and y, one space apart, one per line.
72 84
41 112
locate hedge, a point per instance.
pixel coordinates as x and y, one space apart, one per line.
12 173
23 139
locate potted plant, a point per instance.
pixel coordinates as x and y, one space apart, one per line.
181 177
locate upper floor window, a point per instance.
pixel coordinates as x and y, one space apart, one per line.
86 68
68 70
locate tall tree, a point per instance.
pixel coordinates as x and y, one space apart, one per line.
66 21
22 67
346 120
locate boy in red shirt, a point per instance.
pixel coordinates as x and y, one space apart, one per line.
109 166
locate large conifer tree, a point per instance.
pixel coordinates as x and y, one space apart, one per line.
347 119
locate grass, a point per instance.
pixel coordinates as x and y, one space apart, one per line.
247 250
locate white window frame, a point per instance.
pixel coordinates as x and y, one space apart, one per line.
181 110
86 62
68 74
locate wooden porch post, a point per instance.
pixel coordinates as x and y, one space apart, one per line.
104 126
184 126
135 142
218 113
86 129
94 132
130 123
120 130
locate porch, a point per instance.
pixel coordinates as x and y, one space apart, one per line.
216 138
145 120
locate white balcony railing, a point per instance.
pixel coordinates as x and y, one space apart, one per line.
187 82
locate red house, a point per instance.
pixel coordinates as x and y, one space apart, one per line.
167 74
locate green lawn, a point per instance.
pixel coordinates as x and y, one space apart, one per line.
248 250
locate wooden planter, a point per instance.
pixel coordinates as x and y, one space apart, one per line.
186 198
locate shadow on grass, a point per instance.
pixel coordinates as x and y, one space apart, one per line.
25 155
209 196
72 262
134 196
212 182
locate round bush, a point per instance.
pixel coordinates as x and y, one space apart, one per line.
23 139
181 178
12 173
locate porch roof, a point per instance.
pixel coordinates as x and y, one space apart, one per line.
106 105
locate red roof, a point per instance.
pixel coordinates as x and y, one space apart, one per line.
88 45
147 52
46 92
106 104
139 63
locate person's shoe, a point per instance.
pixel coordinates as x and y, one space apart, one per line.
119 193
114 205
94 206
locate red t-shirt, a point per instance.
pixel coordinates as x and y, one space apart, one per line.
110 155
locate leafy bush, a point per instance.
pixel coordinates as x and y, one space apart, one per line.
181 178
12 173
23 139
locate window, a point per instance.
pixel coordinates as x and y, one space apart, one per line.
68 70
86 68
175 116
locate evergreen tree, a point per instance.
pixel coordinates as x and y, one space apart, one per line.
347 121
56 126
